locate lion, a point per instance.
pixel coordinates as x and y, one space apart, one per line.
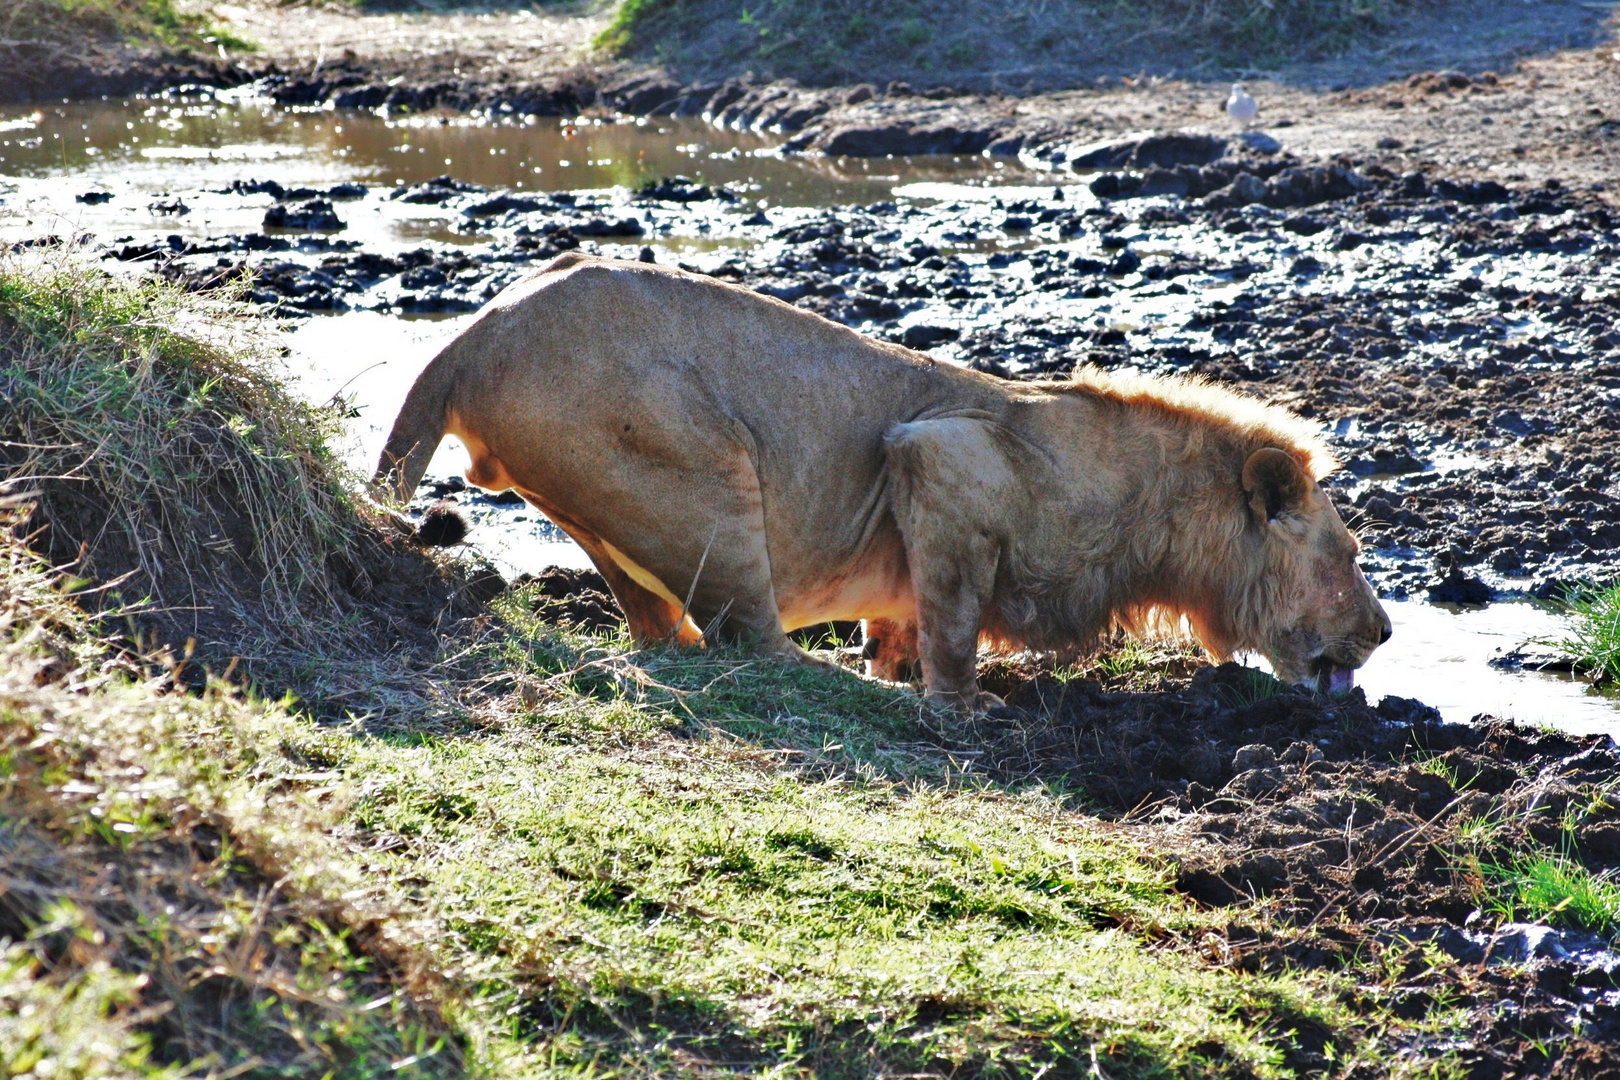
737 468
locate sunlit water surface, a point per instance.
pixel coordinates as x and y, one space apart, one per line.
145 153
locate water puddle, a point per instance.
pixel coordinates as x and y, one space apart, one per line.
165 165
1441 656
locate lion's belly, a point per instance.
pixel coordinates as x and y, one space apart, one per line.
877 589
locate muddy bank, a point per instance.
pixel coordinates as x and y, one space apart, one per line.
1368 833
1541 116
37 74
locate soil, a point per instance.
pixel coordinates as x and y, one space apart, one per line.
576 599
1350 822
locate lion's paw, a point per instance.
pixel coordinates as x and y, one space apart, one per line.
976 703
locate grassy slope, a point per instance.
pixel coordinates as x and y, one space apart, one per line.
71 24
609 891
975 41
597 862
645 875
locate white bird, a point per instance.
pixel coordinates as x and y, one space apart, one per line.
1241 107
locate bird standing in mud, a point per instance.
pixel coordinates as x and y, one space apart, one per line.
1241 107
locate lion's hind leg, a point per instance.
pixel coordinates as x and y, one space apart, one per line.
890 649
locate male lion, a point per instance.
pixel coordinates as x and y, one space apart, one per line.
732 463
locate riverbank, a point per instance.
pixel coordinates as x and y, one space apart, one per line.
1522 92
542 847
51 50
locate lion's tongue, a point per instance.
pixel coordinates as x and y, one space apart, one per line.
1336 680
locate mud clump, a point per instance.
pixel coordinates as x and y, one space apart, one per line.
575 599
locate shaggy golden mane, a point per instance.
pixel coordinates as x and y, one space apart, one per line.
1196 400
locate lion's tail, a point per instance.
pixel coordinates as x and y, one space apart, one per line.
418 428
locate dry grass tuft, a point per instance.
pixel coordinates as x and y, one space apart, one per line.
167 462
164 448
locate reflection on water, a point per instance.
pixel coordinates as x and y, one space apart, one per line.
168 145
1440 656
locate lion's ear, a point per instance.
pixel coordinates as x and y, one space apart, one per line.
1275 482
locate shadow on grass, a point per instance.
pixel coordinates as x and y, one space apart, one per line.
1133 727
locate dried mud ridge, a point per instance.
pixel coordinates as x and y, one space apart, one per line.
1458 339
1363 830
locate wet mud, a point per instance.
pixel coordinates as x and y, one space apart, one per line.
45 73
1367 832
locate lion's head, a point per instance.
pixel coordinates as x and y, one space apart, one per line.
1306 604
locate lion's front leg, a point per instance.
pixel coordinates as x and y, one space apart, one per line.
952 480
948 623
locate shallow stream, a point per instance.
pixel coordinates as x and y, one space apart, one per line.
127 173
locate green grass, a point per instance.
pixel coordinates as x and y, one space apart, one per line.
1594 638
830 40
70 23
153 923
1553 888
1436 764
80 1022
1518 879
1250 688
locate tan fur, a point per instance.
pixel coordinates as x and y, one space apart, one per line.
670 422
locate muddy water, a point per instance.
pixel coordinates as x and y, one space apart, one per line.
160 169
153 156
